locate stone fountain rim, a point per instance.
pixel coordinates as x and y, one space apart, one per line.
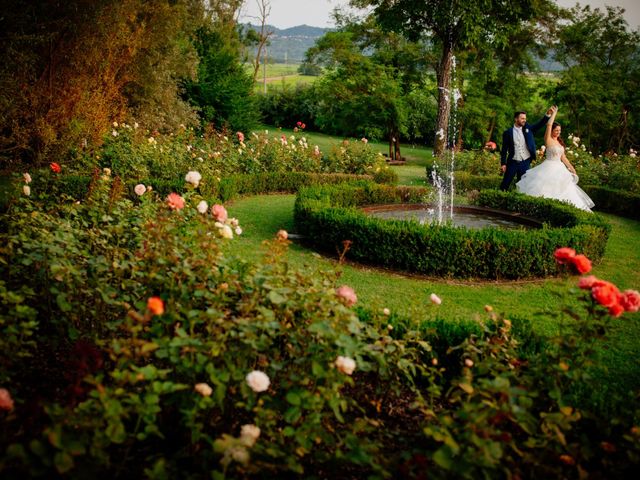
523 219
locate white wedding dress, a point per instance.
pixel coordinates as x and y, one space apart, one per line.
551 179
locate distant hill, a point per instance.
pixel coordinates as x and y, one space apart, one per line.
290 44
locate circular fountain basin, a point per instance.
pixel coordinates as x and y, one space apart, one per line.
467 216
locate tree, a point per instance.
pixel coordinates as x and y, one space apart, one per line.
261 38
381 66
69 69
453 25
223 91
600 85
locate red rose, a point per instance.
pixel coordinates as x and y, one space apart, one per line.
303 126
605 293
564 254
616 310
55 168
630 300
586 283
581 263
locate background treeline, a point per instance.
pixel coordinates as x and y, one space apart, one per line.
68 70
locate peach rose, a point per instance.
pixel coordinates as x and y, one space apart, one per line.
175 201
258 381
219 213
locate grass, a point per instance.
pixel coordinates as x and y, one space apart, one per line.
262 216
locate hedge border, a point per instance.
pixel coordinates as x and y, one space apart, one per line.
223 190
609 200
326 216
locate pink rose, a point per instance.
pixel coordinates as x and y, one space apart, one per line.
240 136
219 213
347 294
175 201
630 300
586 283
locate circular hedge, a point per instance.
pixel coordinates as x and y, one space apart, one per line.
328 215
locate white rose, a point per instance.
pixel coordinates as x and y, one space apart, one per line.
249 435
258 381
203 389
140 189
435 299
193 178
203 207
226 232
345 364
238 231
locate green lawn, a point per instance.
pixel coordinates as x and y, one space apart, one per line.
262 216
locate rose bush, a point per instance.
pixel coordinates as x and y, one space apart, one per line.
132 346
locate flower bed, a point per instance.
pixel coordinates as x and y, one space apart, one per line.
329 215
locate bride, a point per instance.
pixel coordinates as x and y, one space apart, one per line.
555 177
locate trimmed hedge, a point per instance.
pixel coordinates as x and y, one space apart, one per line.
328 215
617 202
227 188
465 182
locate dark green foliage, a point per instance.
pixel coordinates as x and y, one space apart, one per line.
286 106
618 202
224 91
327 216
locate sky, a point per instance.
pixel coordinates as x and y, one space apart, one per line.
317 13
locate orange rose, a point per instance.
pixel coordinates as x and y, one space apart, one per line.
581 263
564 254
155 305
605 293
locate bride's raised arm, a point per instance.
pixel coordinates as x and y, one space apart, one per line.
547 133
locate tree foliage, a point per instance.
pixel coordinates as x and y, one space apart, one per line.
454 25
600 85
68 69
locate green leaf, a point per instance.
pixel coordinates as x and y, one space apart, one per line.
293 398
275 297
292 415
443 458
63 462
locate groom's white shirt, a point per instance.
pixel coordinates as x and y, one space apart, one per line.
519 145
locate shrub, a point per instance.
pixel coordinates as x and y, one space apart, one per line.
133 346
328 216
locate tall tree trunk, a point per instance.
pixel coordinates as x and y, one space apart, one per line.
444 104
396 147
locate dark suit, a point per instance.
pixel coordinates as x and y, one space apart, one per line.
518 168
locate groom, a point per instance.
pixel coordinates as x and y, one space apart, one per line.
519 147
